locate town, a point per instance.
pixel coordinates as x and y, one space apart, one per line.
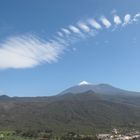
117 135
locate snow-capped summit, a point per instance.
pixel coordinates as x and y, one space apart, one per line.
83 83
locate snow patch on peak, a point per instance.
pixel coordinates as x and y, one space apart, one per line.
83 83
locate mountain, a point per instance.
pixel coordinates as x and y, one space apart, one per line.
100 88
4 97
84 112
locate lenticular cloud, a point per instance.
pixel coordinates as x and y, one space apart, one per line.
117 20
94 24
106 22
127 19
27 51
84 27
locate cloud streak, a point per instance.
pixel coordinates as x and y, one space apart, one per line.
135 19
105 22
27 51
117 20
84 27
74 29
66 31
60 34
94 24
127 19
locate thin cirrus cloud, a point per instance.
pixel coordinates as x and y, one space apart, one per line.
60 34
105 22
135 19
66 31
127 19
94 23
83 27
74 29
117 20
28 51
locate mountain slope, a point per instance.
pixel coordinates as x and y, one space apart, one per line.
83 112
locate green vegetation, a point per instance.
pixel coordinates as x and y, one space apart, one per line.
86 113
31 134
11 135
41 135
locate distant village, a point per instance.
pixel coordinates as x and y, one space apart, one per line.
116 135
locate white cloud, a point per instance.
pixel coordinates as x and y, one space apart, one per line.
106 22
66 31
127 19
84 27
28 51
60 40
117 20
135 19
94 23
74 29
60 34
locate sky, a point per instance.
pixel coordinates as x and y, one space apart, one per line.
47 46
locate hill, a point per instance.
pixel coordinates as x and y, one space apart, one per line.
84 112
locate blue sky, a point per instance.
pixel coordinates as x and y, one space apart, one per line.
49 45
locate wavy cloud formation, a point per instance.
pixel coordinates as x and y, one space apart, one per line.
28 51
74 29
66 31
127 19
84 27
94 24
106 22
60 34
135 19
117 20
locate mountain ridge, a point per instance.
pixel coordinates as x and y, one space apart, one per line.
98 88
83 112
